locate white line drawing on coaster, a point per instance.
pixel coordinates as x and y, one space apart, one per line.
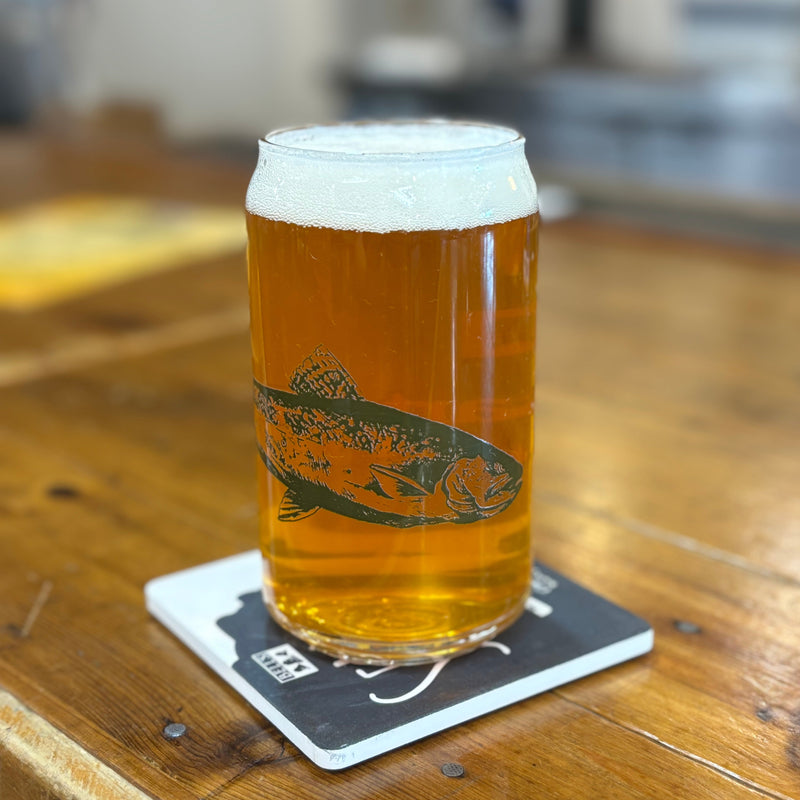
435 669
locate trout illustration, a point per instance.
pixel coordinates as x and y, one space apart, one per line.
337 451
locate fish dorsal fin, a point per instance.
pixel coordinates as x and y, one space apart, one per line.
322 374
394 484
294 508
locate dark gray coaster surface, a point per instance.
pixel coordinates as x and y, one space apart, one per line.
339 715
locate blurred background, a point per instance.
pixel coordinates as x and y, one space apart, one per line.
676 112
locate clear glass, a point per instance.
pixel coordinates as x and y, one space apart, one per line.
392 272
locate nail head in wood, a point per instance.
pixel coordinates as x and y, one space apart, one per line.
174 730
63 491
684 626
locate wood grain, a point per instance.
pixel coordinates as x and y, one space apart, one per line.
90 663
671 372
41 762
135 531
668 427
37 168
735 493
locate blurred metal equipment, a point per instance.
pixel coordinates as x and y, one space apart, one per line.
697 97
29 57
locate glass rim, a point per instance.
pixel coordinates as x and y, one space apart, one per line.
513 141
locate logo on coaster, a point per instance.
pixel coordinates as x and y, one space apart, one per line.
284 663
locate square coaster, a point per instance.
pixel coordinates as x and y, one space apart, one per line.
339 714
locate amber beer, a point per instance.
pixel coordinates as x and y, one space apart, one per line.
392 274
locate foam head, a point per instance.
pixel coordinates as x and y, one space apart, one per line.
393 176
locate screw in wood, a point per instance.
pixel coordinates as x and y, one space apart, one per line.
174 730
63 491
453 770
686 627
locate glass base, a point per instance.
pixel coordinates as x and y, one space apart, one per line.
401 653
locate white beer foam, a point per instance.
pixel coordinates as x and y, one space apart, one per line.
393 176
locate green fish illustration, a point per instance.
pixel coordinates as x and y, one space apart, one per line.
337 451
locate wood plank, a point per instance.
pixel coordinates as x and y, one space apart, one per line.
610 445
648 318
90 663
87 327
40 166
95 664
541 748
175 426
719 398
668 427
39 762
728 490
638 320
68 353
669 390
614 451
726 694
184 402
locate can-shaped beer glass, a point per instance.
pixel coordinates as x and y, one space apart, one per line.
392 271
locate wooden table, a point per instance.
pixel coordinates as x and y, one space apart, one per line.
668 480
